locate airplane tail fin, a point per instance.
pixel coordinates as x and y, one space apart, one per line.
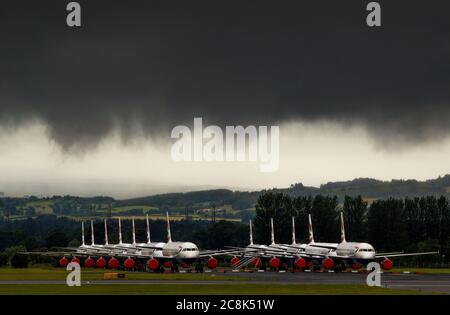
134 231
82 233
148 232
106 233
120 232
310 229
342 228
293 230
251 233
272 233
169 235
92 233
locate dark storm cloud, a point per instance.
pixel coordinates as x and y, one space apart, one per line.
160 63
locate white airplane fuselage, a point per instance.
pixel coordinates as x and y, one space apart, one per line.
185 251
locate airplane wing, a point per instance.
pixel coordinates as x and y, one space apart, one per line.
149 247
256 249
389 253
405 254
323 246
65 248
220 253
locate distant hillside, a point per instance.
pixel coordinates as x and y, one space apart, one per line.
206 198
212 204
368 188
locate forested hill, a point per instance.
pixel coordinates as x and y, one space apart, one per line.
375 189
366 187
209 204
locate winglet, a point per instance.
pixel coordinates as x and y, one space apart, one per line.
293 230
106 233
310 230
120 232
342 228
148 232
272 233
92 233
251 233
82 233
134 231
169 235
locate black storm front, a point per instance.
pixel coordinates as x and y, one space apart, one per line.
157 64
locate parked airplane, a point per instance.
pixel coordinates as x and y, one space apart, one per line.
258 255
357 254
339 255
156 255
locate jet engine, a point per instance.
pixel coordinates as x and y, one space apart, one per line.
212 263
63 262
274 262
89 262
129 263
100 263
152 264
113 263
300 263
328 263
387 264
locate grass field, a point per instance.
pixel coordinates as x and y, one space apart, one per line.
128 208
232 285
200 289
96 274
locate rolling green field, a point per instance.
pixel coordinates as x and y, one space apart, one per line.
144 208
96 274
232 285
41 207
200 289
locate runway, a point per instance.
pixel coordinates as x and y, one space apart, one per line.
422 282
419 282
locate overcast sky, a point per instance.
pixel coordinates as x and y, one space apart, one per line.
90 110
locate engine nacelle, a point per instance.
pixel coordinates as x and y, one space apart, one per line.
153 264
300 263
274 262
89 262
235 261
113 263
387 264
168 264
356 266
63 262
129 263
75 260
256 262
100 263
328 263
212 263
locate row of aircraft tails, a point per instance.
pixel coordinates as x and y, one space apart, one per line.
155 256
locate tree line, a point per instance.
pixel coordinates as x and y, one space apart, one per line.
409 224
